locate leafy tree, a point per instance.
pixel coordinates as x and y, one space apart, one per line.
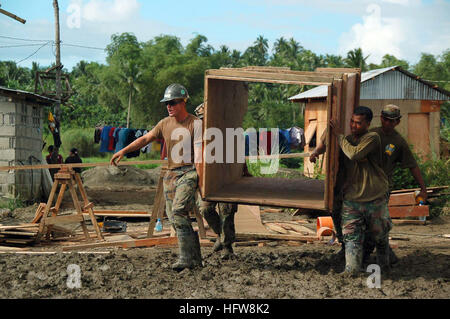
356 59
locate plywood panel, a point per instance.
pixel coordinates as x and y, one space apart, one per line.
419 133
273 192
226 106
248 220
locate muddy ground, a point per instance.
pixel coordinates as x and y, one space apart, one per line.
274 271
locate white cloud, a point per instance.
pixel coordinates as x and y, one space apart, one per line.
375 36
108 10
403 28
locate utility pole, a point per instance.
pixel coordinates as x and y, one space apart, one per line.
58 66
9 14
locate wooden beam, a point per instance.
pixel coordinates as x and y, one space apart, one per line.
241 75
409 211
147 242
402 199
258 236
278 156
68 166
9 14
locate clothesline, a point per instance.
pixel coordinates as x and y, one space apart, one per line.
113 139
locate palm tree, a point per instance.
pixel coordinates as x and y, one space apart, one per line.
131 74
356 59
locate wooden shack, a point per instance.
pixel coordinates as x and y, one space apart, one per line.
419 101
21 124
226 102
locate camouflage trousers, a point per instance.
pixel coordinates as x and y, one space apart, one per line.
180 185
336 215
222 223
373 216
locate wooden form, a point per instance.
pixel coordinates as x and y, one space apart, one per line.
226 102
66 178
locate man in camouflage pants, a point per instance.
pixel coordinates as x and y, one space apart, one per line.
364 191
221 223
181 179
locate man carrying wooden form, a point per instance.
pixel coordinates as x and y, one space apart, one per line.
364 191
181 179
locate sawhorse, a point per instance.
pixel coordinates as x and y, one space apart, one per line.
67 178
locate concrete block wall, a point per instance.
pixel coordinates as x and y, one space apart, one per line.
20 144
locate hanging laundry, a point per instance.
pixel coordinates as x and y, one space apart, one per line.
122 138
130 139
98 134
104 139
111 144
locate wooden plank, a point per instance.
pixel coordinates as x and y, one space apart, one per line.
278 192
120 212
248 219
339 70
126 215
21 226
286 70
87 205
408 221
276 228
150 242
241 75
158 205
278 156
17 233
242 79
147 242
39 212
405 199
429 189
409 211
257 236
81 165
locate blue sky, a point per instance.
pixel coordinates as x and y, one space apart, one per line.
404 28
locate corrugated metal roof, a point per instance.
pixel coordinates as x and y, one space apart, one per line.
36 97
384 84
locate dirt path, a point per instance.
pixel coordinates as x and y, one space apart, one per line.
273 271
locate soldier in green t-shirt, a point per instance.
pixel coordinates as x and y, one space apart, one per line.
395 152
364 191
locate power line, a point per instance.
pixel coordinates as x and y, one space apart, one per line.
33 53
19 45
82 46
21 39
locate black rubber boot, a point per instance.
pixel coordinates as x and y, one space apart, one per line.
189 248
353 258
217 245
228 252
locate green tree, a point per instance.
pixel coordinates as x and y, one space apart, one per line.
356 59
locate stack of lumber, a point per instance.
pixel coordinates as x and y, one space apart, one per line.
23 234
402 204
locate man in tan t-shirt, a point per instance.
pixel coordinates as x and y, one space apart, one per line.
181 132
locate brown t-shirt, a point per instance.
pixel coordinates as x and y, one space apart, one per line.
395 150
179 138
365 179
